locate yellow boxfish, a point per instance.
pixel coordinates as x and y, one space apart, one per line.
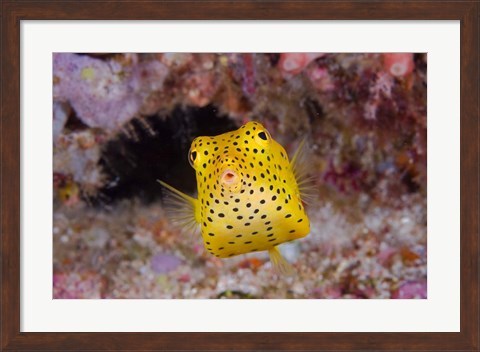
249 194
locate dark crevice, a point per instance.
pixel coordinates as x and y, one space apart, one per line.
134 163
73 123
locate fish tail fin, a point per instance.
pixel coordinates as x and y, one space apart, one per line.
180 209
280 264
301 167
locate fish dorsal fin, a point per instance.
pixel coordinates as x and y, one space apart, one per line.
279 263
180 209
301 168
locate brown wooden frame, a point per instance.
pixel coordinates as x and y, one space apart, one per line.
13 12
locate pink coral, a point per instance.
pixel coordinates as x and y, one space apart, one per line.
411 290
399 65
294 63
200 88
248 74
78 285
320 78
382 89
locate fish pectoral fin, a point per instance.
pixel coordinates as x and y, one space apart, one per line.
280 264
180 208
301 166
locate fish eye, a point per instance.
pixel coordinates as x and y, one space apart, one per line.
262 137
193 156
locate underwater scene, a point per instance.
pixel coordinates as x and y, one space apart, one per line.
240 175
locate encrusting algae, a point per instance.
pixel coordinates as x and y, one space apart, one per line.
249 194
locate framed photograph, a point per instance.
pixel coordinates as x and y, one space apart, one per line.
245 176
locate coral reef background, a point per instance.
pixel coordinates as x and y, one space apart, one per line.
122 121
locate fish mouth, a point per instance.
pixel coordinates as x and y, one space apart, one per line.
229 177
230 180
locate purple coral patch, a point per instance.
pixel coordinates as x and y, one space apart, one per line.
104 94
164 263
411 290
